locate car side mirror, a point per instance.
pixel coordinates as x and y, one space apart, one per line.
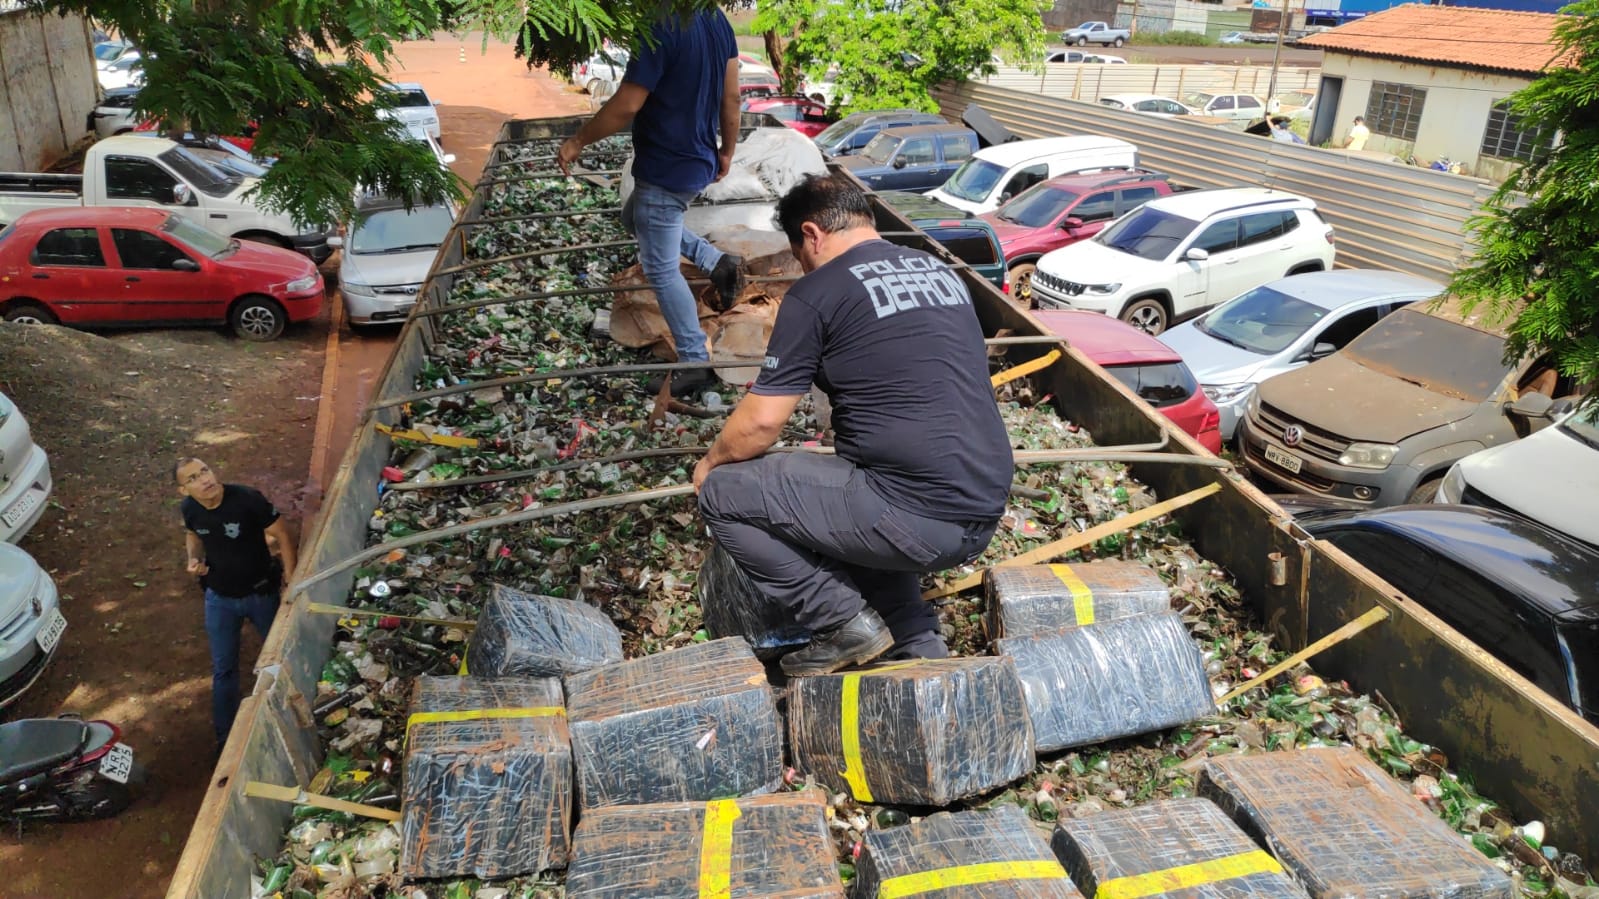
1196 254
335 241
1322 350
182 195
1532 405
185 265
1072 223
1005 197
900 162
1561 408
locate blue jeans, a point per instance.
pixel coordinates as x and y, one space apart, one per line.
224 622
654 215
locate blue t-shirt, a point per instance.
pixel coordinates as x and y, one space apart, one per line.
890 334
674 134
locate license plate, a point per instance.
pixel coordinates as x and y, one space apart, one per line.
50 634
20 509
1284 458
117 764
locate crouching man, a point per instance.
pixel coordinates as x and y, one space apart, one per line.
923 466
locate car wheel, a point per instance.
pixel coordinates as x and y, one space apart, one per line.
31 314
257 318
1021 284
1117 42
1082 42
593 87
1148 316
1425 492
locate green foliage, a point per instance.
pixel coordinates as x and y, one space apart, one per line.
868 40
1176 38
1538 263
307 72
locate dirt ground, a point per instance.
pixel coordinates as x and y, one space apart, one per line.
114 411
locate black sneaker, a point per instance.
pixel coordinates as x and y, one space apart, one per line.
728 278
686 383
855 642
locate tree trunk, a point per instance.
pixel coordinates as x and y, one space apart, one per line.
774 56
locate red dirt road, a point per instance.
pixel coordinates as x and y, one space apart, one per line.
113 412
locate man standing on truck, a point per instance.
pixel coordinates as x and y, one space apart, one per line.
676 94
923 465
226 527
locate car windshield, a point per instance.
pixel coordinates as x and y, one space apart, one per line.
201 240
404 97
1432 353
1584 426
108 52
1038 206
1579 644
1297 98
1198 99
228 162
1147 233
835 132
1263 321
881 149
974 180
201 175
399 230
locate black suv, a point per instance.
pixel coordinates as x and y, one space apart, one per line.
1526 594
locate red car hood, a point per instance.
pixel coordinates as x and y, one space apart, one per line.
272 264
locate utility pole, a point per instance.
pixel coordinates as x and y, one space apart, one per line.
1276 60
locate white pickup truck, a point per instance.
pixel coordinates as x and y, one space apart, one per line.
1096 33
142 171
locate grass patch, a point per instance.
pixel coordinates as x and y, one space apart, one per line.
1177 39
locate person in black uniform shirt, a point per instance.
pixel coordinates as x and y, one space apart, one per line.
225 532
923 466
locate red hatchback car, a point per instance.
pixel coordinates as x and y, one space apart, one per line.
106 266
803 114
1063 210
1148 367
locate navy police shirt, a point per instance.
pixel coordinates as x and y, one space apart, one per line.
674 133
889 333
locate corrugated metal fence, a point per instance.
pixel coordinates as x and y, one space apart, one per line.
1090 81
1387 215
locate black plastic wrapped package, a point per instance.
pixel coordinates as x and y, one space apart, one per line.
732 606
926 732
992 854
1180 849
1028 599
1343 827
527 635
1115 679
488 778
686 725
752 848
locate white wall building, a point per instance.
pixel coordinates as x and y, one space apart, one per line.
1430 82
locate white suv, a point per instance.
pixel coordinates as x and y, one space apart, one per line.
1182 254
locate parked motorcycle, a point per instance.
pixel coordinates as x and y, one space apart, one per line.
64 769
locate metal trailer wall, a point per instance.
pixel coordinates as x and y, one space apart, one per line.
47 87
1387 216
1088 81
1518 745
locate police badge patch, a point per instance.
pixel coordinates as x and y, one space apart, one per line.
231 529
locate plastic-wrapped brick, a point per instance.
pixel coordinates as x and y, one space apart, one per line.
993 854
488 778
526 635
925 732
752 848
1180 849
1116 679
1345 828
1027 599
732 606
686 725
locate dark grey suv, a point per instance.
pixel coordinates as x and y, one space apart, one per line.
853 132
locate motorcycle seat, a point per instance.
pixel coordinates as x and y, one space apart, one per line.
36 744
